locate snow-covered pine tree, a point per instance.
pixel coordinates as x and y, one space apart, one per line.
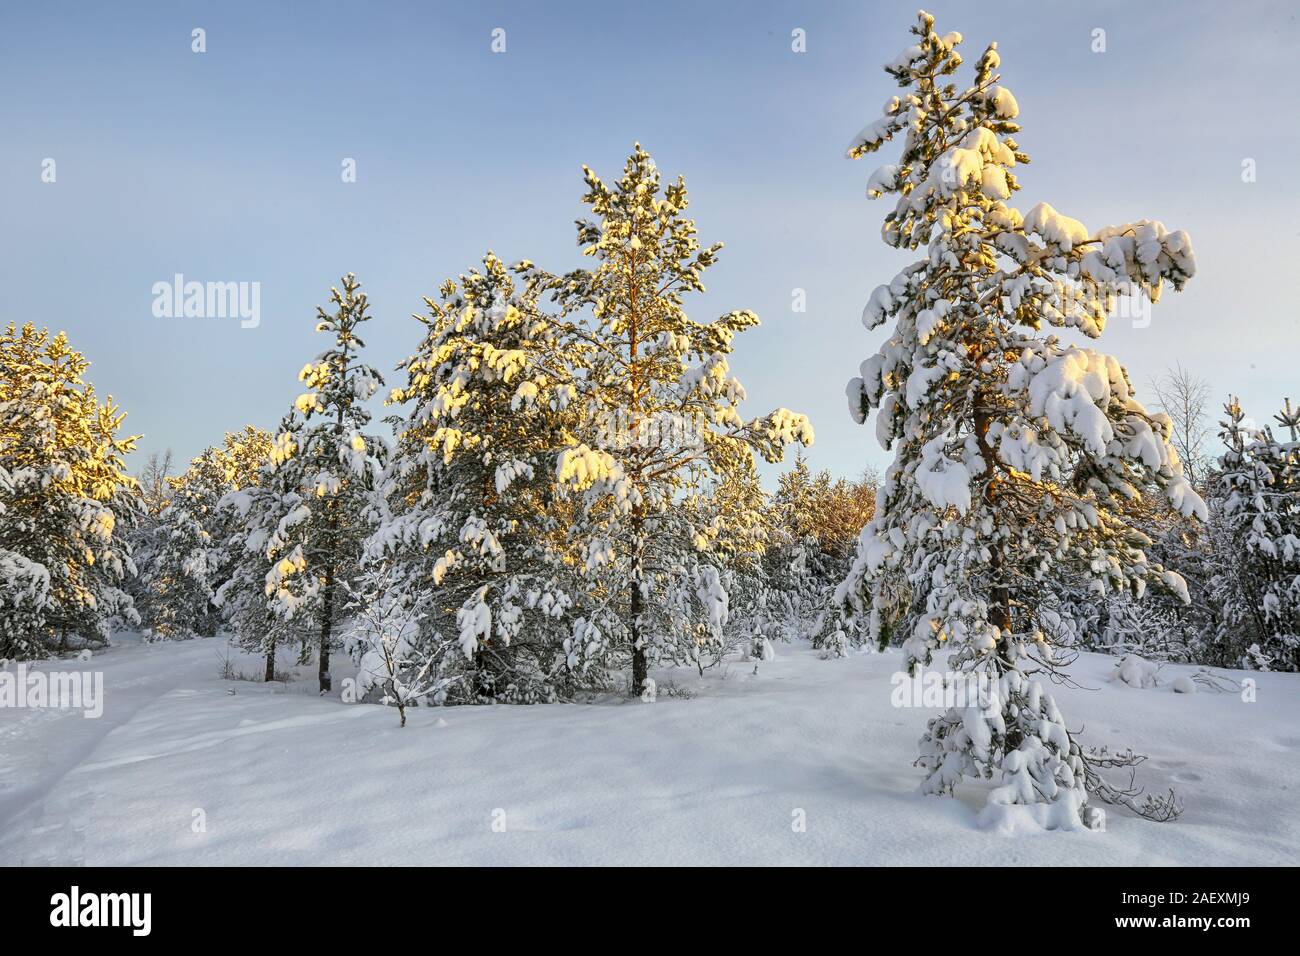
153 492
176 576
1013 449
817 520
1257 503
800 571
307 517
187 557
728 600
66 500
474 535
240 462
240 526
324 455
658 405
848 507
1160 624
252 515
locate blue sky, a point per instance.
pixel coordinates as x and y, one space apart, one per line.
225 166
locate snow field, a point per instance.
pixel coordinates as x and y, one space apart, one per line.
806 763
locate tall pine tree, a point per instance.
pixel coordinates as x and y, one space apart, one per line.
658 404
1014 451
305 522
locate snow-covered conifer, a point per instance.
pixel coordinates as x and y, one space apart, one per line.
730 603
241 596
1257 504
187 555
659 407
802 573
474 534
305 521
177 578
153 492
66 500
817 520
1014 449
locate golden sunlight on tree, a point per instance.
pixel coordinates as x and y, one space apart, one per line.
65 498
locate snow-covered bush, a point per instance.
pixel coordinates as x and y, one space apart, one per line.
1148 628
396 659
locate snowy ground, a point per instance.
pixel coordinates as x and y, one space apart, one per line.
284 777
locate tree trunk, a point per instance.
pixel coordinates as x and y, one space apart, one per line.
1000 614
639 668
326 625
485 682
999 594
270 662
332 553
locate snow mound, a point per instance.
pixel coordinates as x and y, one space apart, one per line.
1019 819
1184 685
1136 672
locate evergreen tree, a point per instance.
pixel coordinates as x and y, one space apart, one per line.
177 577
658 407
66 499
1014 451
306 519
474 534
153 492
187 557
1257 503
802 574
254 513
728 595
1160 624
817 522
